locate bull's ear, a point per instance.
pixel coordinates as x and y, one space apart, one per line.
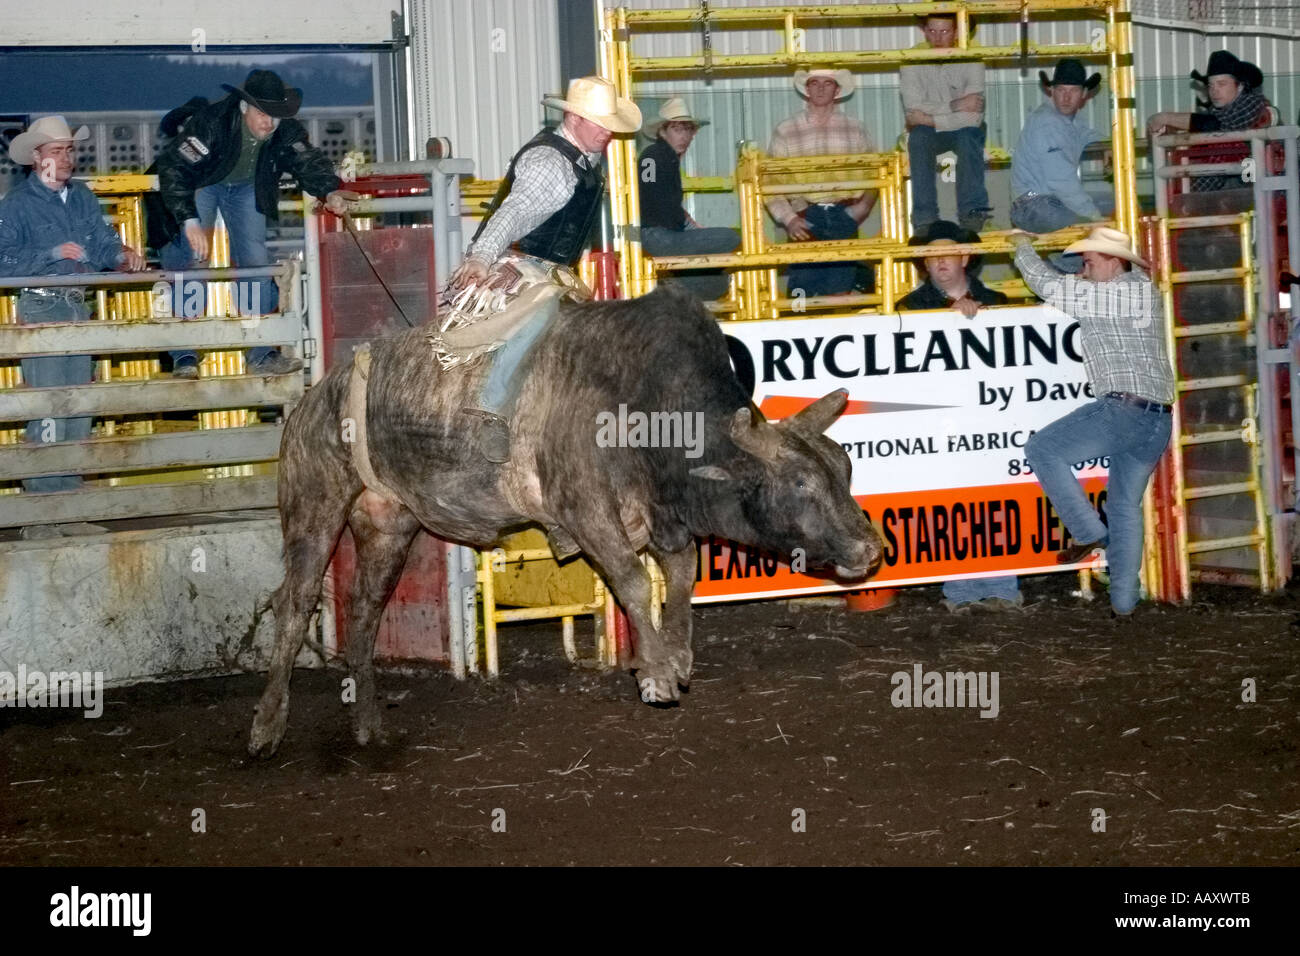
711 473
754 436
821 414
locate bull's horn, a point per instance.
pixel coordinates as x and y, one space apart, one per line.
821 414
756 437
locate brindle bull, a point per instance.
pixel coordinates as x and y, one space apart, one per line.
777 486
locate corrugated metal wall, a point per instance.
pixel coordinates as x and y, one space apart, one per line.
1164 59
479 71
749 107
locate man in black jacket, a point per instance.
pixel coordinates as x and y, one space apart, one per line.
950 281
229 156
667 229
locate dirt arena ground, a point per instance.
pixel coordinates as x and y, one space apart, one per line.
788 750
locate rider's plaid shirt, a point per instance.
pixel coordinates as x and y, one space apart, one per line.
1121 324
544 182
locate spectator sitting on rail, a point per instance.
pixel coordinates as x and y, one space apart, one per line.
667 229
230 156
1045 166
822 130
545 210
1236 103
943 107
951 284
51 225
1122 334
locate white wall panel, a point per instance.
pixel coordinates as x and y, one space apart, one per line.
479 71
227 23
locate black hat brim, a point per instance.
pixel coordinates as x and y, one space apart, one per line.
1244 72
1090 84
281 109
955 234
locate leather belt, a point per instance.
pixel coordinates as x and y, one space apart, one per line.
1137 401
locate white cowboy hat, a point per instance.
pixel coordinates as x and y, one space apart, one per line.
674 110
594 98
1112 242
47 129
842 77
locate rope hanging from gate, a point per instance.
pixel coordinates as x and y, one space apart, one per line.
707 34
351 230
1024 37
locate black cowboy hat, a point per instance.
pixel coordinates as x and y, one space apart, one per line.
267 92
946 230
1223 63
1070 72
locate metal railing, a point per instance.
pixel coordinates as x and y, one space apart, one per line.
1261 429
623 28
202 456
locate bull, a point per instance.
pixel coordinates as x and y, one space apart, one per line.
781 486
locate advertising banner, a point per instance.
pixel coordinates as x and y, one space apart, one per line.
940 407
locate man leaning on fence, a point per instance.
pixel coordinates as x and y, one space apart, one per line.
51 225
1122 333
229 157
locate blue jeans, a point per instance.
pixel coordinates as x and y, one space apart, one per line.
924 144
498 388
52 371
247 230
1042 214
828 278
705 283
1134 439
968 590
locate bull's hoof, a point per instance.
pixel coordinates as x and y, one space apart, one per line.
658 691
369 731
266 735
681 664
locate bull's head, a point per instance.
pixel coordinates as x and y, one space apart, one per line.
792 486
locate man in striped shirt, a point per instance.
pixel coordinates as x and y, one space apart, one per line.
1121 326
821 130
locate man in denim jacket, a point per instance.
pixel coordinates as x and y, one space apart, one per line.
51 225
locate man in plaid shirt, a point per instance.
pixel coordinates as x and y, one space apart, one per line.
1236 103
1122 333
821 130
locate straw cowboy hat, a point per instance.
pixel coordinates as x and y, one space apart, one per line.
1112 242
1070 72
842 77
47 129
594 99
674 110
1223 63
267 92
